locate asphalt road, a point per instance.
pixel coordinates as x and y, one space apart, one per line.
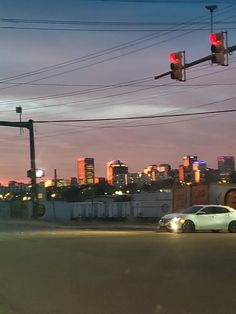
69 271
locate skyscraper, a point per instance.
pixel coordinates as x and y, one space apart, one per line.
186 169
152 172
117 173
85 171
199 169
226 164
188 160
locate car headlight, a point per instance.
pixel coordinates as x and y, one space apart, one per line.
175 219
178 219
174 225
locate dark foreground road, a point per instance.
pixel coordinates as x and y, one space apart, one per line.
58 271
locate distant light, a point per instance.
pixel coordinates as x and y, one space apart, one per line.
118 193
39 173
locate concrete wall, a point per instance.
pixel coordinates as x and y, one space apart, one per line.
5 209
146 205
15 209
151 204
57 210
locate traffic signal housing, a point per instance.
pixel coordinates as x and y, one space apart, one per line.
218 48
177 66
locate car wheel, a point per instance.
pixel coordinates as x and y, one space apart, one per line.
232 226
188 226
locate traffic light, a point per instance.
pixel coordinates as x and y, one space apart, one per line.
218 49
177 66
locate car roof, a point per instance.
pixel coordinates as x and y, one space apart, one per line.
216 205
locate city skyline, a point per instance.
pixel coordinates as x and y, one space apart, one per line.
97 60
85 164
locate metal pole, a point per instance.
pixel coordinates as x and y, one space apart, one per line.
55 178
211 11
211 8
33 167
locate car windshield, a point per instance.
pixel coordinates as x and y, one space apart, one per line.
191 210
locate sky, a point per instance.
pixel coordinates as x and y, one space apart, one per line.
94 59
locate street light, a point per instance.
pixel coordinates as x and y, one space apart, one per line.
211 8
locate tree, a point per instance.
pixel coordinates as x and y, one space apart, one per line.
72 194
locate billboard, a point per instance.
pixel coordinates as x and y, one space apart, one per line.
180 199
199 195
230 198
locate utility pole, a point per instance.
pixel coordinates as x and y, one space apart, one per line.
33 167
55 179
211 8
30 126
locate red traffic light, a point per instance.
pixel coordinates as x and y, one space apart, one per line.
215 40
175 58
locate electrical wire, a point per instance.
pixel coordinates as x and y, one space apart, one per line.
102 23
102 88
93 55
137 117
123 93
86 66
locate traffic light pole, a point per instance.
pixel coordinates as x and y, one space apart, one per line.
30 126
198 61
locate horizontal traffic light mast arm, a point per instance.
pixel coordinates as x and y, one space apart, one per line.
231 49
204 59
188 65
162 75
26 125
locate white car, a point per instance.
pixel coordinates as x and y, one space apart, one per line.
201 217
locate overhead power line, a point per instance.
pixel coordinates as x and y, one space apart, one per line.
119 94
101 61
112 126
105 29
167 1
99 54
106 23
138 117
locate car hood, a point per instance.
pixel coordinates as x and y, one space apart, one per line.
173 215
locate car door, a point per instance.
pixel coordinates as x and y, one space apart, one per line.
221 217
204 218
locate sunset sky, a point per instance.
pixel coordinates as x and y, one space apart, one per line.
94 59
